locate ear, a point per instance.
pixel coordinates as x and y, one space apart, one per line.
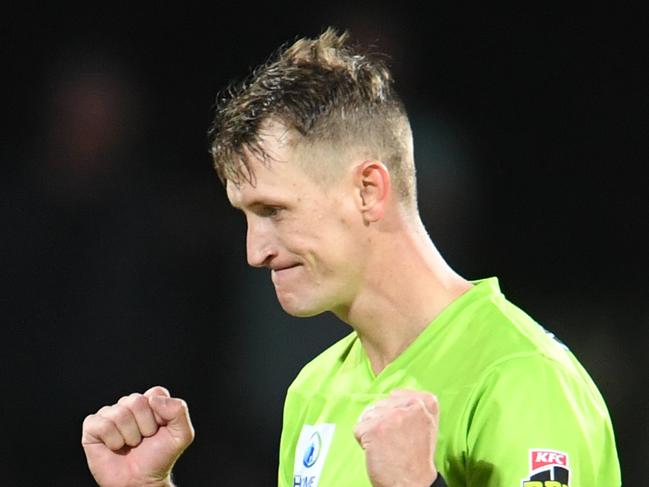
372 184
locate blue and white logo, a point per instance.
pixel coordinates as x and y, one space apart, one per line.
312 451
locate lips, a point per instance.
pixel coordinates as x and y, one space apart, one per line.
281 272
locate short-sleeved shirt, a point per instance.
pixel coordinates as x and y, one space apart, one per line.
516 407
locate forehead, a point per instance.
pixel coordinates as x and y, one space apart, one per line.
278 176
269 184
290 170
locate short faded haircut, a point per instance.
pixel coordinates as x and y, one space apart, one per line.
324 91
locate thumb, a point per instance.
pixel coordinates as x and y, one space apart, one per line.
175 413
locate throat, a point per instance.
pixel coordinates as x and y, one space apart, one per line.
381 354
389 330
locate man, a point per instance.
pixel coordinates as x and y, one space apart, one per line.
316 150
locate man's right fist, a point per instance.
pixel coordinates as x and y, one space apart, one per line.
136 442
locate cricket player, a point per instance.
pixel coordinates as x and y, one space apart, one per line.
442 380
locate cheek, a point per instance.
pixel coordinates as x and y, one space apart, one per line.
325 237
341 247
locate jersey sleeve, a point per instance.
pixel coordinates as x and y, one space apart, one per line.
291 418
536 422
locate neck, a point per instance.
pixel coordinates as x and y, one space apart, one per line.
410 286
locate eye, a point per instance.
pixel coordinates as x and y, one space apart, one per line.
269 211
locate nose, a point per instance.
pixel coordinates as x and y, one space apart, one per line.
260 245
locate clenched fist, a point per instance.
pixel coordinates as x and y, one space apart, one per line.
399 435
136 442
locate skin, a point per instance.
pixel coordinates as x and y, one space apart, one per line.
136 441
394 428
308 234
350 247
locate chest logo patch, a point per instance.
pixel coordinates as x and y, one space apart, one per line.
548 468
311 453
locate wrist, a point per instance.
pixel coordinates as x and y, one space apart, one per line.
438 481
160 483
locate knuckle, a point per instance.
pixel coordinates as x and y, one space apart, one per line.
87 421
138 402
101 411
367 416
114 411
159 390
178 405
126 400
432 404
430 398
420 406
117 413
105 427
380 404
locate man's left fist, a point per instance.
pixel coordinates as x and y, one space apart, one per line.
399 435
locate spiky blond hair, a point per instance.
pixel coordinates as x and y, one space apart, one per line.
326 92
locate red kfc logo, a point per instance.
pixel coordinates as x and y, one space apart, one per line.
546 458
548 468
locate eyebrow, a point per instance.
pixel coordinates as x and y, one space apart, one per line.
255 203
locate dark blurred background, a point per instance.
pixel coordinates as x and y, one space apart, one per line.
123 266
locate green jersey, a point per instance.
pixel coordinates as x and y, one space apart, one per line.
516 407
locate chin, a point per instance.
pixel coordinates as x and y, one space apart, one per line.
295 308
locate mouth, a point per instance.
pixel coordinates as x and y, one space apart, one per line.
281 272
